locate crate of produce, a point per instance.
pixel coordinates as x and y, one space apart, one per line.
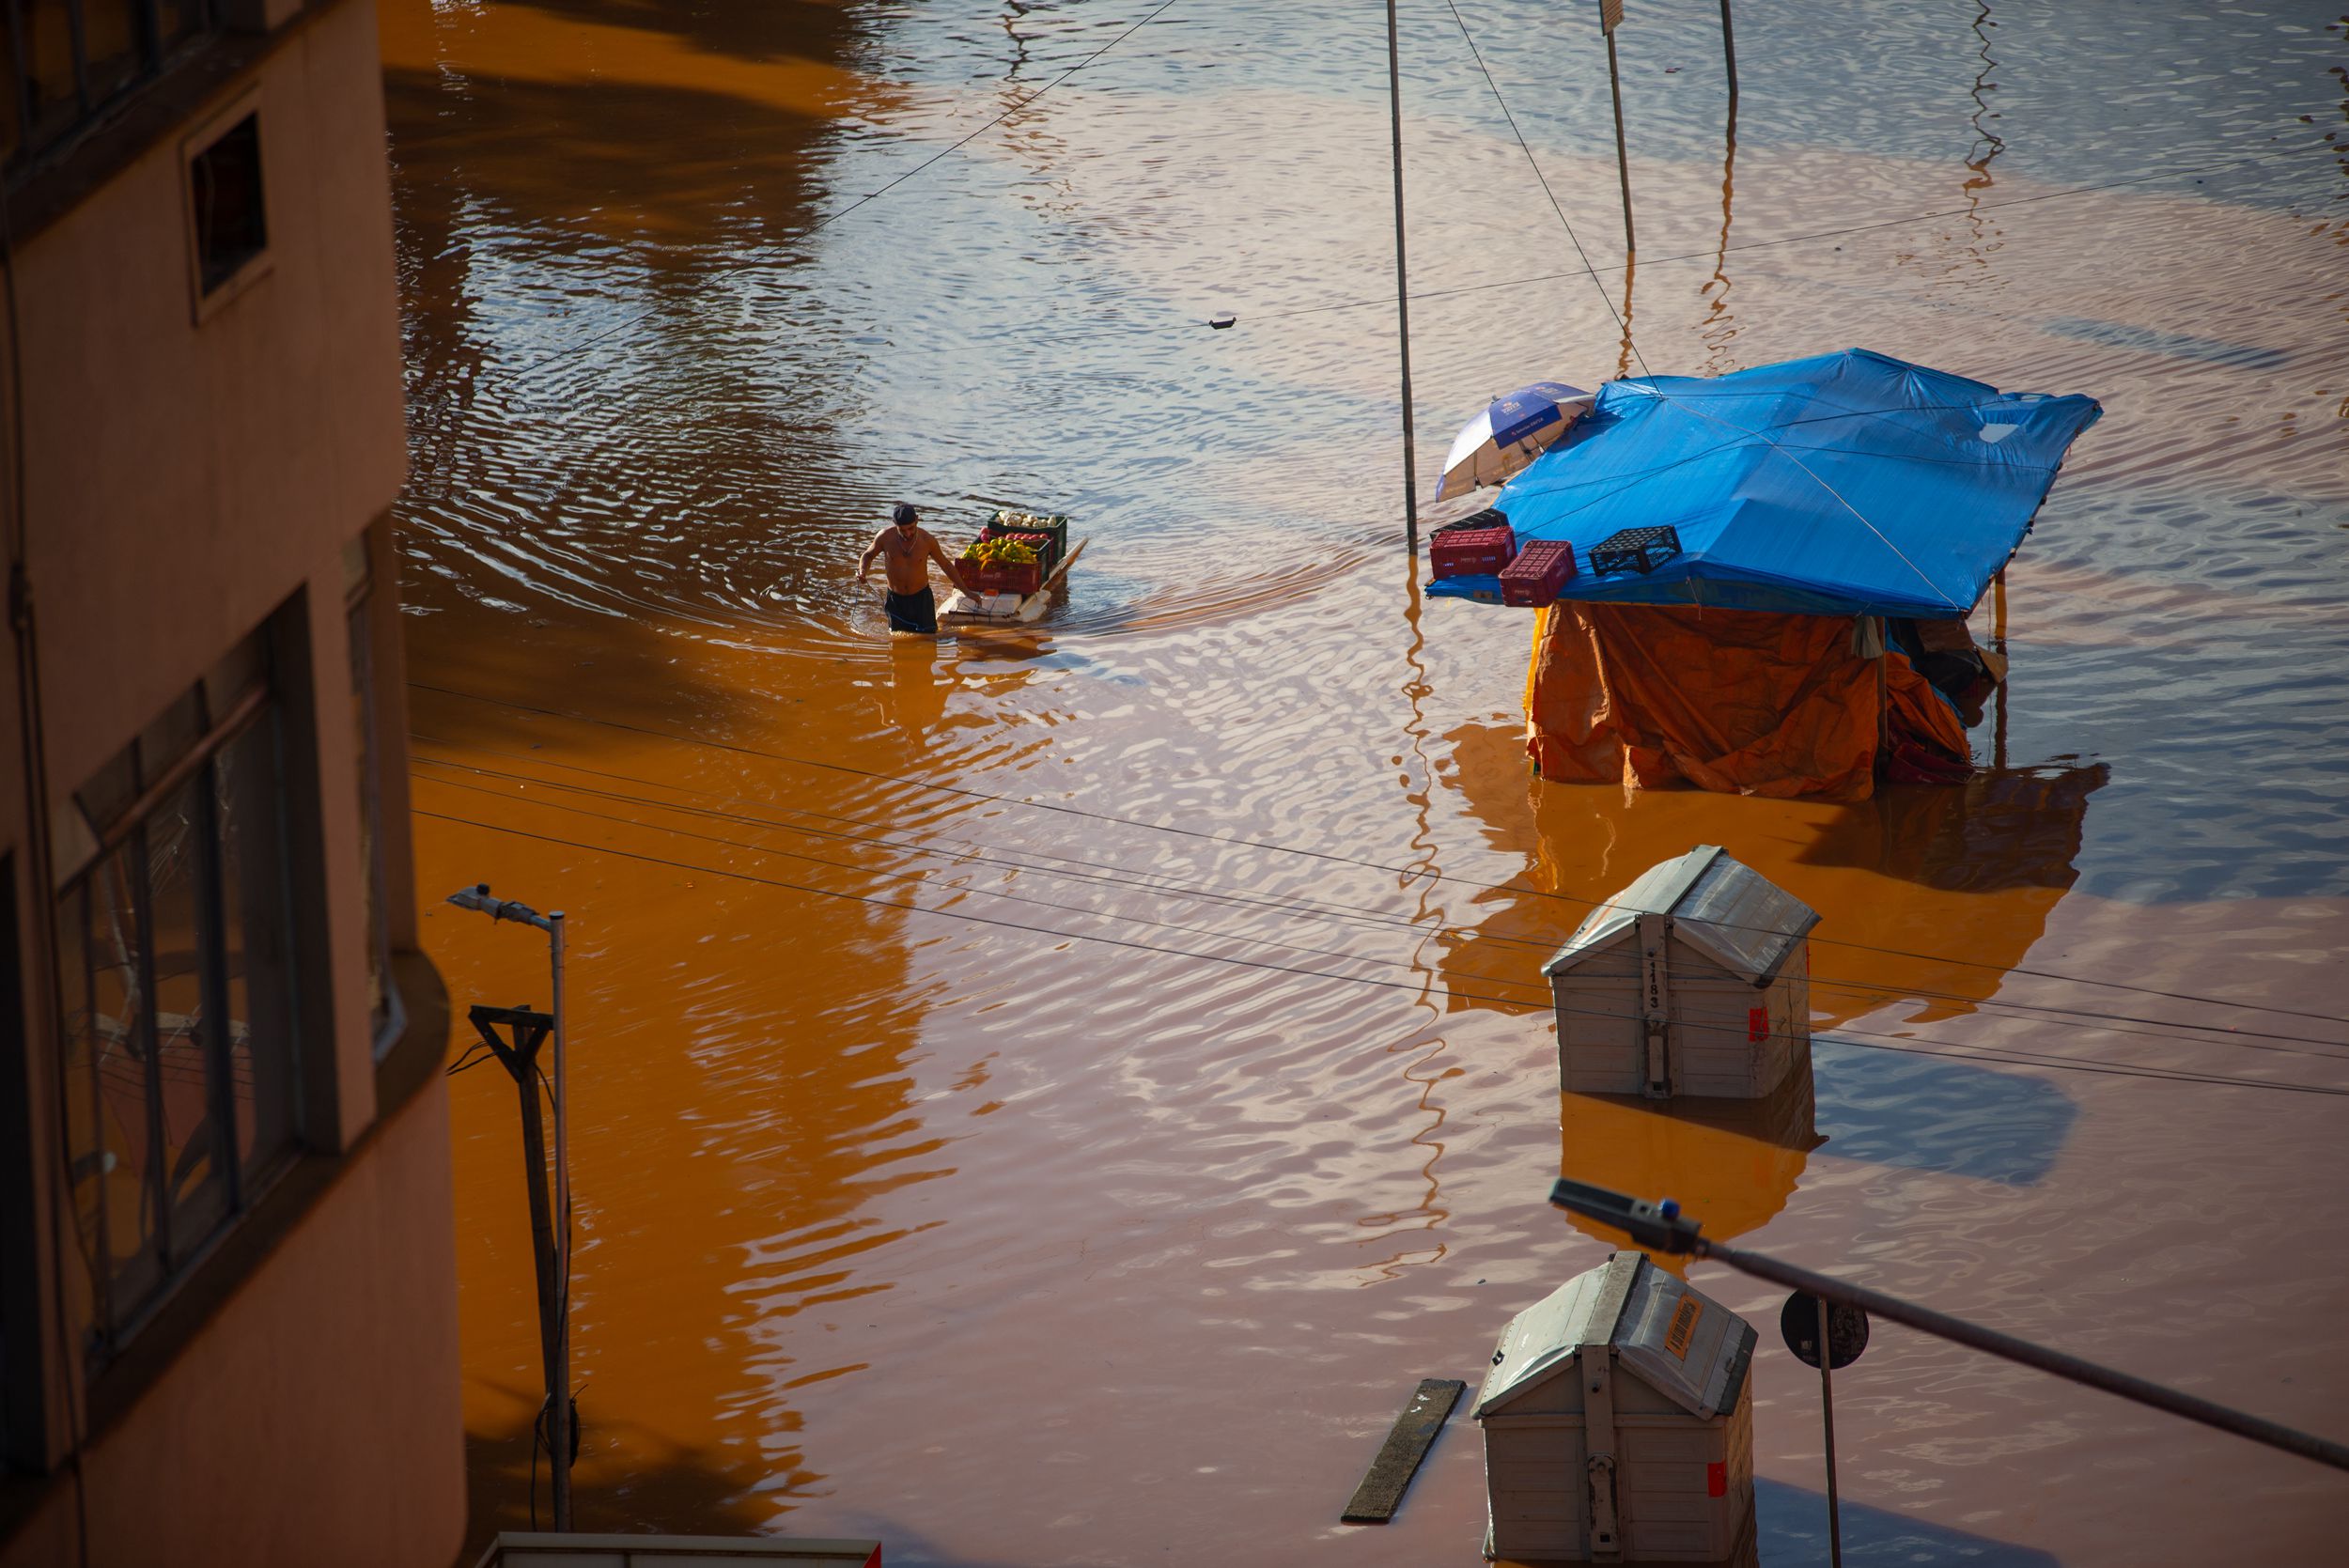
1052 524
1472 551
1634 549
1540 569
1001 565
1047 549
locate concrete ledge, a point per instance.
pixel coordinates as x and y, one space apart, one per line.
532 1549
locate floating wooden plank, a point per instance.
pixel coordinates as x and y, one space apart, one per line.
1381 1491
1033 606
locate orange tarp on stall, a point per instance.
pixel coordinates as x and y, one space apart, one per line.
1737 701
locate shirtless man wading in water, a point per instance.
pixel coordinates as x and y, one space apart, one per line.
908 549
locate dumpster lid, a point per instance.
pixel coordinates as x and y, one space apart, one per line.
1676 1339
1718 904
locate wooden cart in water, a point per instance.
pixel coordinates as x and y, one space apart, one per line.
1009 607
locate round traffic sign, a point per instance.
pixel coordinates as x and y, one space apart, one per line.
1846 1331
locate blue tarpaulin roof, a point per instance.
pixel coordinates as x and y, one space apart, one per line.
1849 484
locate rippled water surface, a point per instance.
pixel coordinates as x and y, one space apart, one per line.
1047 1096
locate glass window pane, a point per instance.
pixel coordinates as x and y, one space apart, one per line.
252 890
177 19
184 930
48 66
108 1131
231 210
111 46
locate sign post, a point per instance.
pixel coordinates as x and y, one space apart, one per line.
1826 1335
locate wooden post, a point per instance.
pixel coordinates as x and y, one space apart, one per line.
1610 18
1997 641
1884 704
1728 53
1403 290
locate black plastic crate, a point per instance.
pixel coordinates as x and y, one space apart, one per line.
1633 550
1491 517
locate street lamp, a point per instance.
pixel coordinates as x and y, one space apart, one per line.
559 1373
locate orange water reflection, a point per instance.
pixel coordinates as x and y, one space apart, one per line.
1113 1231
1971 870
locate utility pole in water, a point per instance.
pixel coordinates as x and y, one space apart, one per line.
518 1056
552 1249
1610 18
1403 285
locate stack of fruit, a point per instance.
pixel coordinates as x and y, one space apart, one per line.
1002 567
1000 552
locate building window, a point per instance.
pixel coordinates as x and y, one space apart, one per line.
174 963
225 191
67 62
385 1019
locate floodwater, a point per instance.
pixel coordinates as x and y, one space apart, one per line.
1047 1098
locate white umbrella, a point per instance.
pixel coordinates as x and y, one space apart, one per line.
1510 433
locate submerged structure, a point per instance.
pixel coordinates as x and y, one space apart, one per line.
1772 572
1618 1420
1694 980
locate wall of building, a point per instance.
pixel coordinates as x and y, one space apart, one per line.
187 470
182 477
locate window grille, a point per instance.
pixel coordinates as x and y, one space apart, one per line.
65 64
176 967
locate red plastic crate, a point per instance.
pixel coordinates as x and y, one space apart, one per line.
1472 551
1540 569
980 579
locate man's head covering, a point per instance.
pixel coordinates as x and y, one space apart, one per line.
902 513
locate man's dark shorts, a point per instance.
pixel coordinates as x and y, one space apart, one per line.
913 612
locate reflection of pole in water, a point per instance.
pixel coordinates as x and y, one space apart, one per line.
1986 145
1019 12
1719 326
1623 362
1415 691
1977 157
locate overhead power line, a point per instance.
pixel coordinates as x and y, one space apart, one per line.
1408 873
1955 1049
1161 885
1535 164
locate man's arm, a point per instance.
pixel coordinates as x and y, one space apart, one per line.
938 555
865 566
